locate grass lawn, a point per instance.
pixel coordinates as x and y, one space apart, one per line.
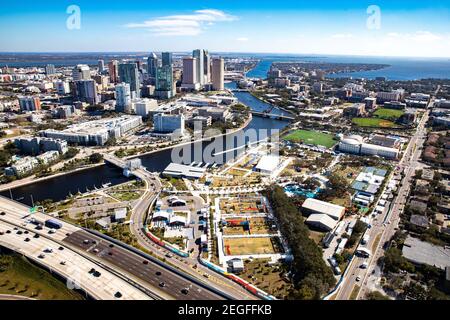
23 278
244 246
373 122
355 292
312 137
388 114
126 196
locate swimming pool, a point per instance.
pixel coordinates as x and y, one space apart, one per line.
296 190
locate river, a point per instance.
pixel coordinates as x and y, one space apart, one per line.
60 187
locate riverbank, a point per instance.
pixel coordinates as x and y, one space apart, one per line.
232 131
21 183
262 100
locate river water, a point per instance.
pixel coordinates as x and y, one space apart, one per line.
59 188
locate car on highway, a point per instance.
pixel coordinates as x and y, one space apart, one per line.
2 213
169 255
364 265
358 278
19 232
61 248
158 273
48 250
36 236
41 256
162 284
63 263
27 240
185 291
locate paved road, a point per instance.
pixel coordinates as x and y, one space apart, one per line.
190 264
170 284
76 267
384 227
68 235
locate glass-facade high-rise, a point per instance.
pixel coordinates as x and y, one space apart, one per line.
129 73
164 81
166 59
152 65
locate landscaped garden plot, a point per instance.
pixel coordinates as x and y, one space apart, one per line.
249 246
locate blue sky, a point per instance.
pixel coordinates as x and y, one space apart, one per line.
405 28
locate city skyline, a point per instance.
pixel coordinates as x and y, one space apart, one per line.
328 28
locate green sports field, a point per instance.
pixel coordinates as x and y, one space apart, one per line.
312 137
373 122
388 114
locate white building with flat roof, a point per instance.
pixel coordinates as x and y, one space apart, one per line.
268 164
321 207
321 221
95 132
183 171
355 144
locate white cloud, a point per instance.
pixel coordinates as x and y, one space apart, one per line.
242 39
183 25
418 36
342 36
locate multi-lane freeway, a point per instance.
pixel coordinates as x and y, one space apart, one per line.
145 276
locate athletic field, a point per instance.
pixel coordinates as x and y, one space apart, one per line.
312 137
388 114
373 122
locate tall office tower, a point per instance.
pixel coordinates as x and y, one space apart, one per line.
218 71
128 72
50 69
113 67
164 82
152 65
81 72
29 104
167 59
123 97
199 54
190 79
207 66
86 91
101 66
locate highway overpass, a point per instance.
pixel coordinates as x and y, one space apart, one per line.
147 275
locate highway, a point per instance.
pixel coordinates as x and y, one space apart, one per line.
189 265
142 274
384 227
75 267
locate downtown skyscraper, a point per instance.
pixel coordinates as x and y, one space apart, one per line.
152 65
129 73
199 54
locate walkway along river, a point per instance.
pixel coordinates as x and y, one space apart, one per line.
60 187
